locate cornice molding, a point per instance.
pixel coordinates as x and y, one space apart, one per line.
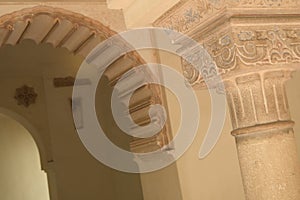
188 14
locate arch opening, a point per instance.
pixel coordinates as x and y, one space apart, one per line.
20 169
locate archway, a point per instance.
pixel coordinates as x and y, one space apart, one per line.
20 169
79 35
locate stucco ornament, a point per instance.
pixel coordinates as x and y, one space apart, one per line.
25 95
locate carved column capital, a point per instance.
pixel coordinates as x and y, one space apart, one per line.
258 98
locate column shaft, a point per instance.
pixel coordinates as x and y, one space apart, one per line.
264 135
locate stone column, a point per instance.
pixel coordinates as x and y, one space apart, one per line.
255 46
264 135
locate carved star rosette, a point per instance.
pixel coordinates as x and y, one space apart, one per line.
25 95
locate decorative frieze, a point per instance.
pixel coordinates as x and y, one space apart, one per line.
188 14
251 48
256 46
204 69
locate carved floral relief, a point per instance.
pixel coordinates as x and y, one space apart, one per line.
25 95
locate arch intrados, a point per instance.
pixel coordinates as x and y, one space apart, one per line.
59 27
59 13
32 131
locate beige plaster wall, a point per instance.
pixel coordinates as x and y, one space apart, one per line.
20 168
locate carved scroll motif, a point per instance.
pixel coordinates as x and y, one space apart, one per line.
245 49
256 47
